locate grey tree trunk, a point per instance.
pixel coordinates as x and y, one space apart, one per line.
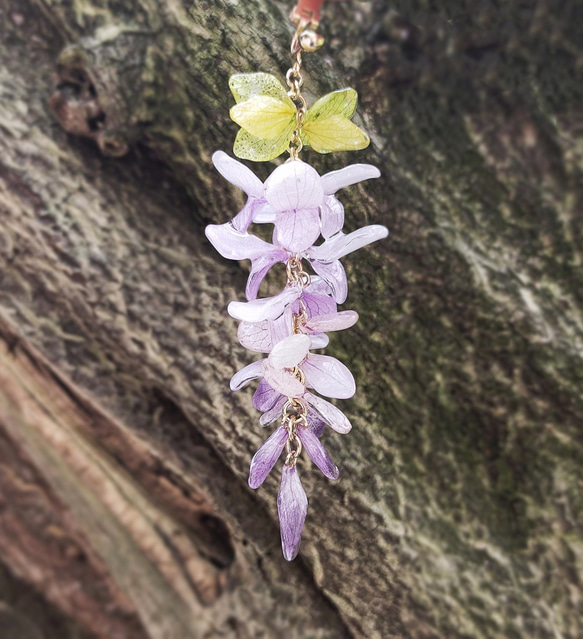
124 509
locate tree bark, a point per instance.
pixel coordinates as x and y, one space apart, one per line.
124 508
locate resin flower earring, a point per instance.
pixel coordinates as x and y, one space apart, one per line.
303 207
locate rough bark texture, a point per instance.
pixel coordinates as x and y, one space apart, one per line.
124 510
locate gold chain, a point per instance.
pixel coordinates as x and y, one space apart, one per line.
295 81
295 415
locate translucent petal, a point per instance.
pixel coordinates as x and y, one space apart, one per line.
333 416
246 375
246 85
282 381
264 117
250 147
341 244
335 134
319 340
234 245
259 268
290 351
264 214
265 398
244 217
315 423
332 214
333 321
336 180
328 376
317 453
297 230
338 103
265 308
273 413
292 186
264 459
317 304
292 507
238 174
335 276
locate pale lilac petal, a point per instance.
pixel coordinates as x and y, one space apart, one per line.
246 375
290 351
282 381
328 376
245 216
292 507
333 416
265 308
234 245
334 275
317 304
297 230
256 336
319 340
238 174
264 459
265 398
260 266
341 244
332 217
264 214
317 453
273 413
336 180
292 186
315 423
333 321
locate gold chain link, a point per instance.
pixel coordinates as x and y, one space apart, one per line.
295 415
295 81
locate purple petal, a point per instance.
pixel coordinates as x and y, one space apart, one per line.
264 459
282 381
336 180
260 266
234 245
292 186
319 340
341 244
333 321
334 275
245 216
265 397
290 351
332 216
334 417
256 336
238 174
315 422
328 376
265 308
317 453
273 413
264 214
292 506
319 304
297 230
317 286
246 375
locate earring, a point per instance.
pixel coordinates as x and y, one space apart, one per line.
302 206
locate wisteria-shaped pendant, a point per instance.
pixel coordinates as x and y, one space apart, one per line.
303 207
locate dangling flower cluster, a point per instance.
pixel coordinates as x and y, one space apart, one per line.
302 206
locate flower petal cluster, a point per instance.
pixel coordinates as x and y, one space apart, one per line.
288 327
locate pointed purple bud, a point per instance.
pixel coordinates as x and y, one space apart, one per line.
264 459
317 453
292 506
265 397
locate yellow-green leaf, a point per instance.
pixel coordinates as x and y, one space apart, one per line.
341 102
334 134
247 85
250 147
263 116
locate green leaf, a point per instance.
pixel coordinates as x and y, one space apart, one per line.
247 85
342 102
